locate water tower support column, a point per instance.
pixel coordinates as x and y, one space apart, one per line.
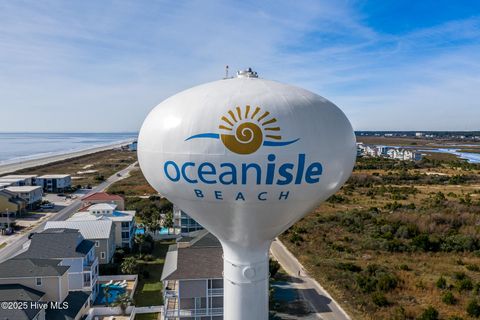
245 282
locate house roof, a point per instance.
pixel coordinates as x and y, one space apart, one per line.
54 176
93 229
57 244
75 300
115 216
19 176
103 206
102 196
205 253
18 292
18 268
23 188
12 180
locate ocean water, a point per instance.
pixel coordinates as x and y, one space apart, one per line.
15 147
469 156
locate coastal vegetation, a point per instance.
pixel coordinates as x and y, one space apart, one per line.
400 240
87 170
135 185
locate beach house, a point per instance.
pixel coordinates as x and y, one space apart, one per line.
100 232
69 247
186 223
54 182
124 221
40 280
24 179
103 197
31 194
194 292
11 202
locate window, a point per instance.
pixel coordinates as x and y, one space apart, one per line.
102 255
97 244
125 235
38 281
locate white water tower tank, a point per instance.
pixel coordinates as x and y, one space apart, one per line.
246 157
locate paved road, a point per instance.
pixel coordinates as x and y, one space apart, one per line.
311 290
15 246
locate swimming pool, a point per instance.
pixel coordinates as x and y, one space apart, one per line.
142 231
113 293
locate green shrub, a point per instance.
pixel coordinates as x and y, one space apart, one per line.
273 267
366 283
441 283
455 318
429 314
472 267
465 284
348 266
459 275
449 298
387 282
473 308
379 299
404 267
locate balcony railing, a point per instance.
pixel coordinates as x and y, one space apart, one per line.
215 292
171 293
193 312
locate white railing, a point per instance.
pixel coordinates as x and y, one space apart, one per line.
215 292
193 312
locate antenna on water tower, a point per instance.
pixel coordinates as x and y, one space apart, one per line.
226 72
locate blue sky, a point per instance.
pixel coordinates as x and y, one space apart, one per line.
101 66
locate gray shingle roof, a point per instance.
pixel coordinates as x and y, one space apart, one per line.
16 268
94 229
57 244
75 300
18 292
202 260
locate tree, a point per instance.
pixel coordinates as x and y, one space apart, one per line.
129 265
273 267
139 241
123 301
106 293
168 221
153 226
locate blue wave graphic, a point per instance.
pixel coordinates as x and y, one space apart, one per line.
204 135
265 143
278 143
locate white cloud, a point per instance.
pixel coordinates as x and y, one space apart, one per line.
99 66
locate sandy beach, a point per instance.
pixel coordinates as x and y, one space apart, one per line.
12 167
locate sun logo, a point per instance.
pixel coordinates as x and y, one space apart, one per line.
245 131
248 129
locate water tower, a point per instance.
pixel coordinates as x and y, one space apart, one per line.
246 158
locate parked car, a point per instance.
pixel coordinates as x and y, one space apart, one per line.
47 206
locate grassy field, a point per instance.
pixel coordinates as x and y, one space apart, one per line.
134 185
149 289
89 169
397 239
147 316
